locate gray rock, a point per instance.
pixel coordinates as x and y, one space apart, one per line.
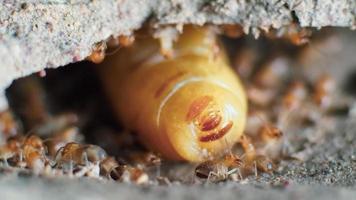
38 34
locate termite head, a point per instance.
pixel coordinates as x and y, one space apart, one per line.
211 121
34 142
14 143
33 151
98 53
94 153
269 132
298 36
137 176
122 40
295 94
231 160
323 89
11 149
128 174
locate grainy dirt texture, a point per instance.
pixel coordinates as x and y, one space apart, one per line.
62 189
38 34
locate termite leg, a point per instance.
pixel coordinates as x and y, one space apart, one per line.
249 149
85 158
6 164
255 168
70 171
211 174
239 174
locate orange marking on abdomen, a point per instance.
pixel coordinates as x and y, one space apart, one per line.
166 83
197 106
217 135
210 121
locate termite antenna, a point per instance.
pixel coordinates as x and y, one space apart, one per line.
29 133
158 170
268 125
85 157
6 164
255 168
114 51
229 150
71 168
57 156
21 156
283 121
208 180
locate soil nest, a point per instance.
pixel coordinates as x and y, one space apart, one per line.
317 147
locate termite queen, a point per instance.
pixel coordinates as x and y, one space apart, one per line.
190 106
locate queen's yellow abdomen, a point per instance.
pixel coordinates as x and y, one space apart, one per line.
190 106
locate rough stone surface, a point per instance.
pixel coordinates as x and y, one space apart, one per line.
62 189
38 34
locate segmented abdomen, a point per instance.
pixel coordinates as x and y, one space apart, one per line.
190 107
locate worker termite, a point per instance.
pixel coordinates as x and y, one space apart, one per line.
122 40
184 107
33 151
24 152
8 125
10 150
294 95
74 154
254 160
110 168
323 89
99 49
293 33
60 139
219 169
267 138
98 53
134 174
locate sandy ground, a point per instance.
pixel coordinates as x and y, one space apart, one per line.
329 171
62 189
